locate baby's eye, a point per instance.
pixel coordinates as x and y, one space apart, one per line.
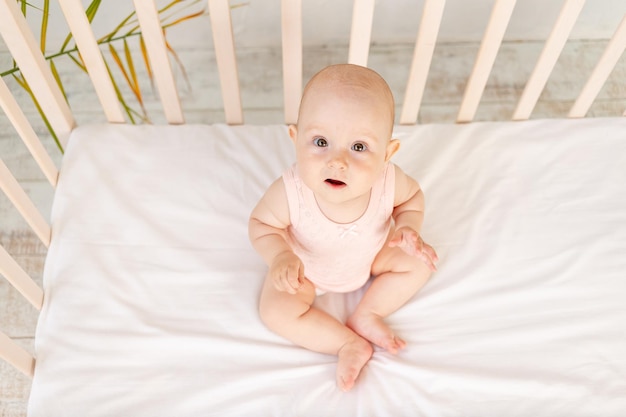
359 147
321 142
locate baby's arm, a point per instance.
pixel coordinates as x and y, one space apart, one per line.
408 214
266 228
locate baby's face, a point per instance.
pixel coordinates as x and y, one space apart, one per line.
342 141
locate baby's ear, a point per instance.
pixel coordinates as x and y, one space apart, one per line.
293 133
392 148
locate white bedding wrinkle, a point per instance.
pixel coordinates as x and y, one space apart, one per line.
151 283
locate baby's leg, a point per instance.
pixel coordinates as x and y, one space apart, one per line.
398 277
292 317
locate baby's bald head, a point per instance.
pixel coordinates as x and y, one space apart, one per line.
354 80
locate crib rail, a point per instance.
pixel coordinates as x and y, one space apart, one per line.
16 355
21 42
291 23
601 72
96 68
422 57
22 45
157 53
494 34
553 47
28 56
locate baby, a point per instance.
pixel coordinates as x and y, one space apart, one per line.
341 214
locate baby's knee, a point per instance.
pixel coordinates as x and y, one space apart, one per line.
278 308
417 267
395 260
268 312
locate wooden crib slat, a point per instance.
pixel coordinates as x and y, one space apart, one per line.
92 57
550 54
28 135
24 204
291 15
361 32
498 22
222 29
148 17
24 49
16 355
22 282
601 72
422 57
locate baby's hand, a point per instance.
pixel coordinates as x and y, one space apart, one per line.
287 272
410 241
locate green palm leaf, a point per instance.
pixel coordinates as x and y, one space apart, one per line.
22 83
169 16
146 60
44 25
57 78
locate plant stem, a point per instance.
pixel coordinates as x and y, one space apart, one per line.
74 49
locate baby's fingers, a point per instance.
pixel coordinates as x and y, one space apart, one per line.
430 252
282 282
427 260
279 284
294 279
402 239
429 256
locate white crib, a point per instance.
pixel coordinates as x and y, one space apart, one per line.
149 297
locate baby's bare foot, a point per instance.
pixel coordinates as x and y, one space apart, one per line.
373 328
351 358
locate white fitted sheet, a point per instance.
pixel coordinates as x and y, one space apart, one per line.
151 284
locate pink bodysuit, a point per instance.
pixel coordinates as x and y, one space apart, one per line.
338 257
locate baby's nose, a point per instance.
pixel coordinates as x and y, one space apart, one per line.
338 161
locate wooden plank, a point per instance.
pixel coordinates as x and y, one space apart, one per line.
422 57
22 282
24 204
148 17
27 134
291 16
550 54
16 355
92 57
361 32
222 29
607 62
498 22
24 49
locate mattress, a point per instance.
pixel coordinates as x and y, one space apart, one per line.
152 285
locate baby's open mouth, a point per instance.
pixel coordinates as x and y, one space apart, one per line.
336 183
